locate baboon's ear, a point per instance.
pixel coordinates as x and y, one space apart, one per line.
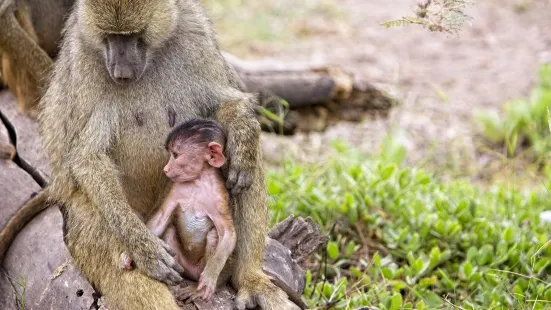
216 157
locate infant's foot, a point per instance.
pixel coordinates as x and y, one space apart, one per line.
188 294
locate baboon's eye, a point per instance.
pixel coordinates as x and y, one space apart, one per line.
175 155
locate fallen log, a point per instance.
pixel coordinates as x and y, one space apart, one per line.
303 85
39 259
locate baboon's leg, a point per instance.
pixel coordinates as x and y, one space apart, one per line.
27 88
16 76
91 244
16 42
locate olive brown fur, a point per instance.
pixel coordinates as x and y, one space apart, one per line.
31 31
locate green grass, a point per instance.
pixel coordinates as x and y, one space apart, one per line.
401 238
523 122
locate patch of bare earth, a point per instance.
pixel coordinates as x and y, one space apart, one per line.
442 80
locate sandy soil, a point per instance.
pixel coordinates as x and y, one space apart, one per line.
441 79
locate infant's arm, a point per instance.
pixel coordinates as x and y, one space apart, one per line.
220 215
159 221
157 224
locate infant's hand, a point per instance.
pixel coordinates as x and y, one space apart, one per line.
206 287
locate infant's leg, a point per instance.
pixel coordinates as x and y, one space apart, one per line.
192 271
208 286
212 243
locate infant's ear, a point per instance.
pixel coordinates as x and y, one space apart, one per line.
216 158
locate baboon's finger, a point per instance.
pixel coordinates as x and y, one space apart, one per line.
232 178
176 266
244 181
175 277
169 249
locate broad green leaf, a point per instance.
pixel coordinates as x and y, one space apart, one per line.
396 302
420 305
387 171
333 250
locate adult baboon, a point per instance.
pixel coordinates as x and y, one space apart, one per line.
128 71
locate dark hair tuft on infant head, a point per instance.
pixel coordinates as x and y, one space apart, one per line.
196 131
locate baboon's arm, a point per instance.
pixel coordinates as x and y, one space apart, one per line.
160 219
238 118
97 176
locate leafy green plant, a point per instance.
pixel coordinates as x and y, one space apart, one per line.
272 112
524 122
402 239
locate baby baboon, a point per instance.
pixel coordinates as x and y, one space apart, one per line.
127 72
195 218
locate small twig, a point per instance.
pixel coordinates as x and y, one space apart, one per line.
455 306
325 255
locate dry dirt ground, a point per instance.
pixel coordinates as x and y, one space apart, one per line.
441 79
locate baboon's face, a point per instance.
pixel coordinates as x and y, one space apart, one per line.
186 162
126 33
125 57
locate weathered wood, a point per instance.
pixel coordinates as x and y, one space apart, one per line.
301 236
303 84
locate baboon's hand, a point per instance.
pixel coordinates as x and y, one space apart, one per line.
240 168
239 179
157 261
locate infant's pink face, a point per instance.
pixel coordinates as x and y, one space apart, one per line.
186 162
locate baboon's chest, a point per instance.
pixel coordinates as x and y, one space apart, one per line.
140 154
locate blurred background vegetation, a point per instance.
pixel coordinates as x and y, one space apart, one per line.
264 23
439 203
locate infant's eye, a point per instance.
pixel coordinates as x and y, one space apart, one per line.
174 155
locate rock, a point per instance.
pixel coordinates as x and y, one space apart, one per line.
39 256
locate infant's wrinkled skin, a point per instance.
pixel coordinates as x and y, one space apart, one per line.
195 219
